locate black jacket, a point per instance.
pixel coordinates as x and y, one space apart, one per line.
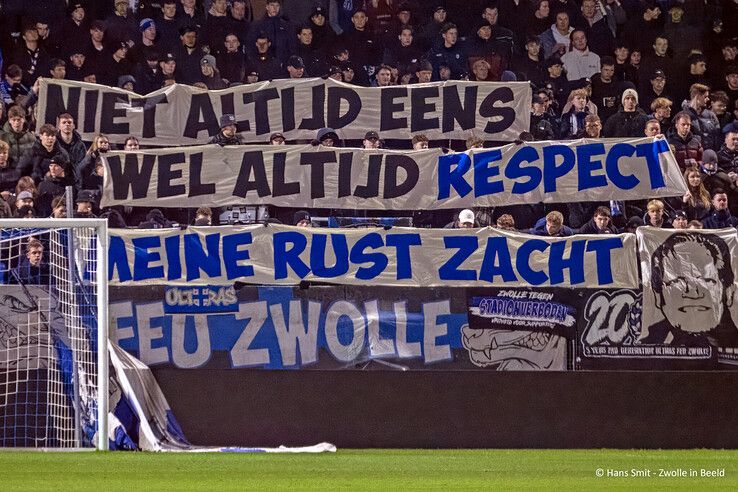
625 124
36 162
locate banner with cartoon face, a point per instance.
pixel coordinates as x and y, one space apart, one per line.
689 289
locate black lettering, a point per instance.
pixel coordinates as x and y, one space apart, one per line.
371 189
345 163
129 176
506 114
227 107
149 113
166 174
279 186
335 96
91 98
453 111
108 113
388 107
420 107
197 187
392 163
261 107
200 105
288 109
317 161
252 161
55 104
317 120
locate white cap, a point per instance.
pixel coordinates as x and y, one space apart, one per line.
466 216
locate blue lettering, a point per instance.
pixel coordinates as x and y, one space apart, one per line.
317 255
482 173
552 171
575 263
291 257
402 243
522 261
142 258
117 258
448 178
174 265
466 246
497 248
602 249
613 170
514 170
585 166
651 152
196 259
232 255
379 260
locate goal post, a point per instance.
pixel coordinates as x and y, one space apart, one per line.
54 333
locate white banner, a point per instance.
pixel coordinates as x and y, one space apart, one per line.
689 287
286 255
185 115
304 176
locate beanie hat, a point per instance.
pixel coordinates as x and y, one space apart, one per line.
629 92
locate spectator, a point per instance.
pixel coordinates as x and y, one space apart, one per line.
302 219
35 162
661 112
595 22
555 41
552 225
295 67
85 201
147 45
96 53
657 59
704 122
155 220
191 15
687 147
261 59
465 220
32 268
312 57
719 106
167 25
580 62
100 145
323 35
680 220
75 29
371 141
231 60
420 142
696 201
8 174
728 154
592 126
131 143
653 128
188 55
695 224
655 89
540 127
204 216
572 122
228 134
168 69
217 25
32 59
720 216
327 137
605 89
556 82
448 53
58 69
531 65
505 222
19 139
24 205
121 25
148 75
656 215
629 121
277 29
69 139
210 74
600 223
52 186
276 139
403 51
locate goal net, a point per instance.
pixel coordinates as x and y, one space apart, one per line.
53 333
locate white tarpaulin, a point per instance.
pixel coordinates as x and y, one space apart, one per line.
286 255
305 176
185 115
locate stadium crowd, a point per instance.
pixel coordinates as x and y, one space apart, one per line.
606 68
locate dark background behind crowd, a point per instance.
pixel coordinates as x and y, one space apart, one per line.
606 68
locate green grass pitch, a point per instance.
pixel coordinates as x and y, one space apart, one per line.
370 469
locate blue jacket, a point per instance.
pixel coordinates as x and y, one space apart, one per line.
540 229
719 220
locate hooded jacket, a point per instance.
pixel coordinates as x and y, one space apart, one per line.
20 143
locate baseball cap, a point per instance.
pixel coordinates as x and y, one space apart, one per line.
275 136
680 214
318 11
146 23
466 216
168 57
227 120
371 135
85 196
658 73
554 60
438 7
